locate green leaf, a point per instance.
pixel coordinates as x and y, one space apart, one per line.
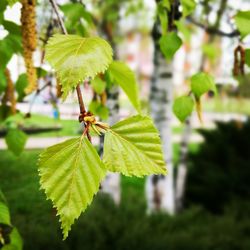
4 214
247 57
3 5
242 20
75 58
188 6
16 242
70 173
16 140
21 84
166 4
3 81
169 44
163 16
99 109
98 85
12 2
211 51
133 147
74 12
202 83
8 46
183 29
183 107
125 77
41 72
12 27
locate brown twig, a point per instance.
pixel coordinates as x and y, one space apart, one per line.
239 61
212 30
78 89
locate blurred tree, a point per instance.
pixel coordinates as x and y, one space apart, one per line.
219 171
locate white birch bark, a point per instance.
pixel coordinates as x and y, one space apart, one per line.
182 167
160 189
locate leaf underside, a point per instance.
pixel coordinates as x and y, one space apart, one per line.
132 147
70 173
75 58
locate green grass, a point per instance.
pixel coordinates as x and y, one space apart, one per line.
227 105
104 226
68 127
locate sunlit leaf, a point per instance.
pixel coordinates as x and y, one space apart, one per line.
169 44
125 77
99 109
21 84
12 2
16 242
163 16
3 81
183 107
75 58
133 148
98 85
70 173
4 214
211 51
183 28
16 140
188 6
201 83
242 20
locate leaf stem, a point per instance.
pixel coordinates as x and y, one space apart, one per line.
78 89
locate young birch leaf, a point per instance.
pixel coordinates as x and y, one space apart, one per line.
183 107
133 147
166 4
16 242
125 77
75 58
4 214
163 16
98 85
202 83
16 140
242 20
169 44
188 6
70 173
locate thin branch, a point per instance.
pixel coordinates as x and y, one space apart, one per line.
212 30
57 11
61 23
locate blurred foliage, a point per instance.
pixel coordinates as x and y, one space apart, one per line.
104 226
219 171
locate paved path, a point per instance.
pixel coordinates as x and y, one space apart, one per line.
40 143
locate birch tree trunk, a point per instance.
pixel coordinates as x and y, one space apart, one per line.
160 189
182 167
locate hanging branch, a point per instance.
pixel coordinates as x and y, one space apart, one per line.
212 30
83 112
